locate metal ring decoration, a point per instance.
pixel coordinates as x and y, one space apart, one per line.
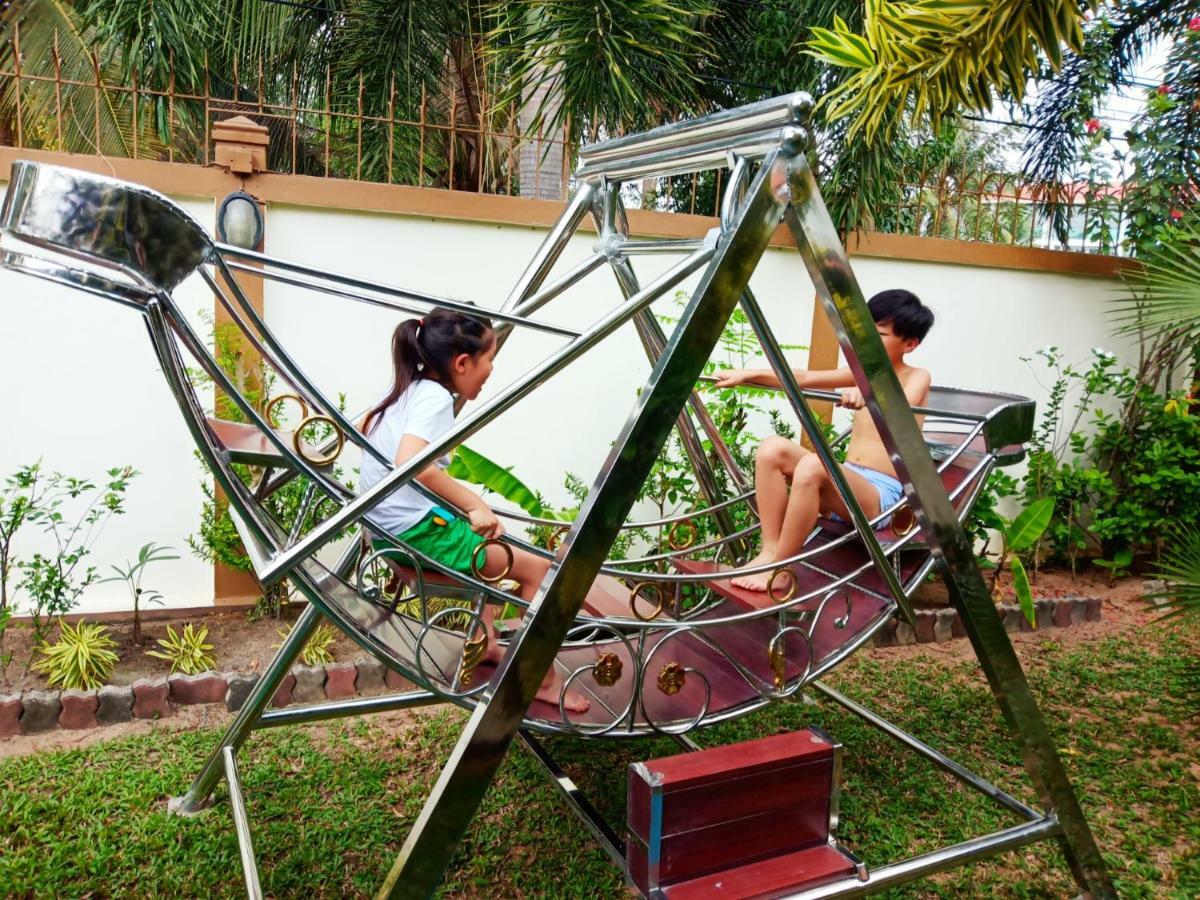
436 685
391 603
903 521
282 398
679 673
590 730
673 534
777 655
472 655
477 569
660 603
841 621
300 447
375 568
782 570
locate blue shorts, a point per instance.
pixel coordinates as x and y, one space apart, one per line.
889 489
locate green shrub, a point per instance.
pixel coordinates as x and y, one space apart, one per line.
186 651
318 650
81 659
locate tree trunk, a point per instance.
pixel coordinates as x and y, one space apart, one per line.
540 155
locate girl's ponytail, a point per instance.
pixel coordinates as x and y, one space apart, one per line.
425 348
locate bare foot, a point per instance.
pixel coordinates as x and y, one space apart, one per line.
552 687
755 582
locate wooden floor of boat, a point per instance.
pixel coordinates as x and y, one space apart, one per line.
733 658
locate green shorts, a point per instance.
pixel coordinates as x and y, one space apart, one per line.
443 536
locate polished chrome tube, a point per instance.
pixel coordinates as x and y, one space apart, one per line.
241 824
181 328
787 378
936 860
687 158
134 296
289 368
560 284
667 245
239 729
610 842
400 475
456 305
551 247
835 398
941 761
649 523
723 125
340 709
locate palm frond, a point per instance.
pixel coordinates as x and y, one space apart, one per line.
1165 294
72 117
624 64
1180 569
926 58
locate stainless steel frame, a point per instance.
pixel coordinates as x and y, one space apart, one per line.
132 246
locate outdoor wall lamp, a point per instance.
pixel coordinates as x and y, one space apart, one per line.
240 221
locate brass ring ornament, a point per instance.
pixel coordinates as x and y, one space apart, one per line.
903 521
777 657
782 570
279 399
438 682
301 447
477 569
660 602
673 540
474 650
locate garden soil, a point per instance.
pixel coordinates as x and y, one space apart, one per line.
247 646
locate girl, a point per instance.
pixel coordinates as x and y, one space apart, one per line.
444 354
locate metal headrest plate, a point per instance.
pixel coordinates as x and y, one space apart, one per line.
110 222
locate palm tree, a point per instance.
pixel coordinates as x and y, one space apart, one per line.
466 68
928 58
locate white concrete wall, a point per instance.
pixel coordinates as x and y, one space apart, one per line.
81 390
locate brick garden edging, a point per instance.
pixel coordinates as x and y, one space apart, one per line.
939 625
156 698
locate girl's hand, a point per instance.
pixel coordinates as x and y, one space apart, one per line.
731 377
485 524
852 398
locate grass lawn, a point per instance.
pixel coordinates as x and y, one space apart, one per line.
330 805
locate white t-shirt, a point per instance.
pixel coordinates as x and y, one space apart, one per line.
425 410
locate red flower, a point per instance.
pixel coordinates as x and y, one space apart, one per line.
1177 214
1194 24
1092 125
1163 89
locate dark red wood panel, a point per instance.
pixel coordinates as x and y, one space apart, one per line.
766 878
699 813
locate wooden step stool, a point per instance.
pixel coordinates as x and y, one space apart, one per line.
754 819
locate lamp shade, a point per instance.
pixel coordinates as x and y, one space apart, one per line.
240 221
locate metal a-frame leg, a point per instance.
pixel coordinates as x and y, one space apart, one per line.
200 793
489 732
838 290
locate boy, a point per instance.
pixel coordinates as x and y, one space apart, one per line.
788 518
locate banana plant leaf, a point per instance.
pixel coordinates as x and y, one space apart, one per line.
467 465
